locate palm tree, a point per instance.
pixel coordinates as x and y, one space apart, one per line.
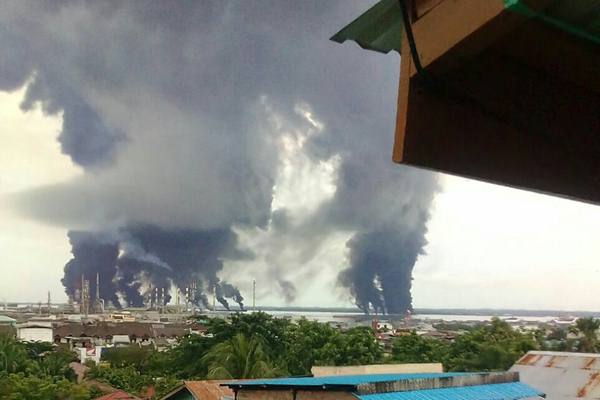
239 358
13 357
588 327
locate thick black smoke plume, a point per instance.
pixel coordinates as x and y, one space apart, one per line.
92 254
190 118
380 272
136 261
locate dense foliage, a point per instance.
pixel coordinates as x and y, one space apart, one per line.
258 345
35 371
285 347
492 347
254 345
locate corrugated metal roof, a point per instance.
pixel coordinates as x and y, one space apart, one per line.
379 28
342 380
500 391
208 390
561 375
558 359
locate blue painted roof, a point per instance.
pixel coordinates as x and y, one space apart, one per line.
499 391
341 380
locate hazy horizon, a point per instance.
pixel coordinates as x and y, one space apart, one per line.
267 144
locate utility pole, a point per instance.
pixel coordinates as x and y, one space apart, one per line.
49 302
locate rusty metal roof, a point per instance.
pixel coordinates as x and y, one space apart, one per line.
202 390
561 375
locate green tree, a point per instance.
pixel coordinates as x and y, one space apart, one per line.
357 346
493 347
23 387
35 350
56 365
588 327
13 356
126 378
187 356
557 334
304 340
135 356
418 349
239 358
270 330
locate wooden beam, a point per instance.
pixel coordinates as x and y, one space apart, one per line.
449 23
422 7
406 66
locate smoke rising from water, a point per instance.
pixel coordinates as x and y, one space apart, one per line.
190 123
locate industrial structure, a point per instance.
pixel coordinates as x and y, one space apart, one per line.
504 91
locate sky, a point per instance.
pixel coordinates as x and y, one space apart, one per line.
284 156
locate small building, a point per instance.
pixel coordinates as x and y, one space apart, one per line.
121 340
35 332
7 321
440 386
561 375
124 316
200 390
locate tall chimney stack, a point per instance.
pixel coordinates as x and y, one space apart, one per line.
81 294
97 286
214 297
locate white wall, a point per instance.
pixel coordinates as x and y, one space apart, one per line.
377 369
35 334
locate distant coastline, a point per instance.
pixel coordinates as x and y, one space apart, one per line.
501 312
445 311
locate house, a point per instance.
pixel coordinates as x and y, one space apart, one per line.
118 333
430 386
561 375
200 390
481 96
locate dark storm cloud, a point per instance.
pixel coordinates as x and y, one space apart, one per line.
162 106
